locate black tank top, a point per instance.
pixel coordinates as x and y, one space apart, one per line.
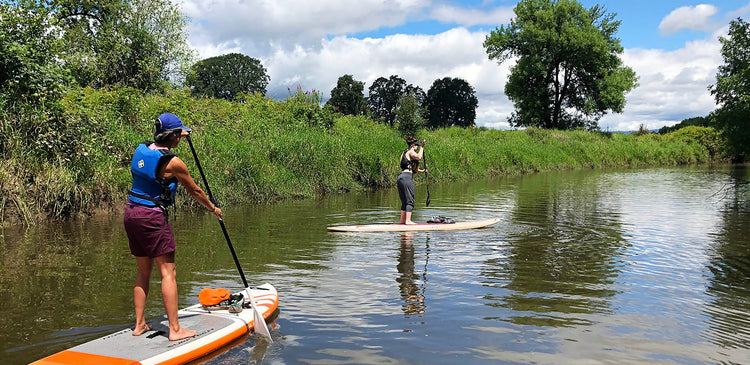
407 164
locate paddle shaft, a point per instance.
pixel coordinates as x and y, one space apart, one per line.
259 323
221 222
427 176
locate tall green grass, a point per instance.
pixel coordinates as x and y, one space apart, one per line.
261 150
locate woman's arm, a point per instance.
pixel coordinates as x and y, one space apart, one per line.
420 155
177 168
415 156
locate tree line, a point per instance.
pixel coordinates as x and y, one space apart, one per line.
448 102
567 74
406 107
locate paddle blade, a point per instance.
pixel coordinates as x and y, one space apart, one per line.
259 323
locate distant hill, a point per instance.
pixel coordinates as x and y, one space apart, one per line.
697 121
629 132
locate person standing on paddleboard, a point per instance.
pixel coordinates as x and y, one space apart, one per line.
156 172
409 165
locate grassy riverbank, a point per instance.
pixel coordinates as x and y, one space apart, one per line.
260 150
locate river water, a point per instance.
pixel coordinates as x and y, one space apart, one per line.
626 266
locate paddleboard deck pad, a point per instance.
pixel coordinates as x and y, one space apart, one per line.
214 329
414 227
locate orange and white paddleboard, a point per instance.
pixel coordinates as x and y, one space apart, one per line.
214 330
414 227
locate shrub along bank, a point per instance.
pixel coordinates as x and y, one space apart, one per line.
76 160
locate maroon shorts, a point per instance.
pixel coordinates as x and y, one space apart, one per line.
148 230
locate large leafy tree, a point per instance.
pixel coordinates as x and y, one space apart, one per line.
31 81
568 72
227 76
348 96
732 90
29 39
419 95
383 98
450 102
137 43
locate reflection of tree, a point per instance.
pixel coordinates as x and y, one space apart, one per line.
411 293
729 263
737 191
53 276
566 259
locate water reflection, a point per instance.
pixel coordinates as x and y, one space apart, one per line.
635 266
729 267
564 261
61 268
412 293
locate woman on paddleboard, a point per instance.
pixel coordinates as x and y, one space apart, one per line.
409 165
156 172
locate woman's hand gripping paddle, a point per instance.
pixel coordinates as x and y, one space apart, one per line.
259 324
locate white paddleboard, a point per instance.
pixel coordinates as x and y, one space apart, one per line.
214 330
414 227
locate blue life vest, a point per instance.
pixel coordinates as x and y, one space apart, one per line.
149 189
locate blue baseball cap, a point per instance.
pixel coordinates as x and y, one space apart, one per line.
169 121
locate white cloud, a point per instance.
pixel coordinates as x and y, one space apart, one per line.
689 17
255 24
306 44
673 85
418 59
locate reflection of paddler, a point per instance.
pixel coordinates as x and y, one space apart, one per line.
414 302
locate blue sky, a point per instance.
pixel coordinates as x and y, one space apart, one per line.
672 45
639 29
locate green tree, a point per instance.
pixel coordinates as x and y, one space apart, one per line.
417 92
29 72
228 76
32 82
138 43
409 114
450 102
348 96
383 98
732 90
568 73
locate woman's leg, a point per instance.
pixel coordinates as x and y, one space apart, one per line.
140 293
409 194
168 273
408 218
402 196
406 194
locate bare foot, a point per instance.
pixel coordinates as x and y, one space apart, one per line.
138 330
410 222
180 334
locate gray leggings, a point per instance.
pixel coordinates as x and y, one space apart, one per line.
405 184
